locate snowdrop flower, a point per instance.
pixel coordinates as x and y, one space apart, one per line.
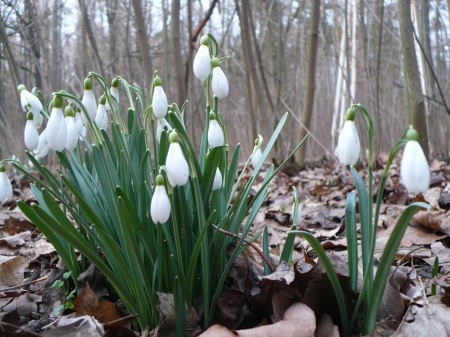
56 127
348 144
414 168
31 136
202 60
6 190
114 92
217 183
89 101
160 206
298 217
257 155
37 120
102 118
215 133
159 100
176 165
219 82
42 148
80 124
72 130
161 123
28 100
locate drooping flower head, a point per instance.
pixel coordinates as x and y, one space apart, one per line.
160 205
114 92
177 168
89 101
161 123
257 155
215 133
217 183
219 82
202 60
414 168
297 218
56 126
159 100
31 136
102 118
6 190
29 101
348 144
72 130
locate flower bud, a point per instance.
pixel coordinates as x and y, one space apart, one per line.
215 133
217 183
114 92
6 190
56 127
348 144
177 168
101 117
31 136
72 130
257 155
89 101
202 60
219 82
160 204
159 100
298 217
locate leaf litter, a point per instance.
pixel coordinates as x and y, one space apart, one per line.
296 300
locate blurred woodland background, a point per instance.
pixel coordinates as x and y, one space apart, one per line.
349 51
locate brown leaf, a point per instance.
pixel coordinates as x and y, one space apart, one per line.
76 327
444 200
16 240
231 303
88 303
11 270
436 220
326 327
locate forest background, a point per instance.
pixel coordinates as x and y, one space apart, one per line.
53 44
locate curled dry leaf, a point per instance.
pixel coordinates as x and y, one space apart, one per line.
16 240
11 270
435 220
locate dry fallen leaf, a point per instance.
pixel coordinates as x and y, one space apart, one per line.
326 327
17 239
436 220
11 270
84 326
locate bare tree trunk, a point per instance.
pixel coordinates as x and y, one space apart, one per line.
412 74
56 47
141 28
11 59
310 80
34 41
111 13
176 52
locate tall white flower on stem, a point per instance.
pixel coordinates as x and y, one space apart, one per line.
257 155
31 135
161 123
177 168
297 218
56 127
42 148
160 205
217 183
72 130
215 133
159 100
348 144
6 190
28 100
114 92
414 168
219 82
202 60
89 101
102 118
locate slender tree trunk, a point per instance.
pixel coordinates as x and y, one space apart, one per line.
310 80
111 13
176 52
34 42
412 74
56 47
11 59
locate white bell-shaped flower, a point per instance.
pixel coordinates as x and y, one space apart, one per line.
89 101
102 117
348 144
159 101
28 100
6 190
56 127
414 168
31 135
72 130
215 133
217 183
114 92
80 124
42 148
219 82
257 156
160 124
298 217
177 168
38 119
160 205
202 60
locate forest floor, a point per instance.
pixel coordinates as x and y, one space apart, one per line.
296 300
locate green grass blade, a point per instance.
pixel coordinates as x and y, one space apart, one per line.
352 241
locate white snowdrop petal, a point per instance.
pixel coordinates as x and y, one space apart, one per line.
72 133
27 99
414 168
56 130
217 183
38 119
215 134
42 148
101 117
6 191
159 102
348 144
160 205
256 158
298 218
219 83
31 135
202 63
90 105
177 168
161 123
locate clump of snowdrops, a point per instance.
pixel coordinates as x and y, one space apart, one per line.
415 174
138 193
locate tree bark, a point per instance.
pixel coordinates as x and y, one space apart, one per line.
176 52
310 81
11 59
111 13
411 69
